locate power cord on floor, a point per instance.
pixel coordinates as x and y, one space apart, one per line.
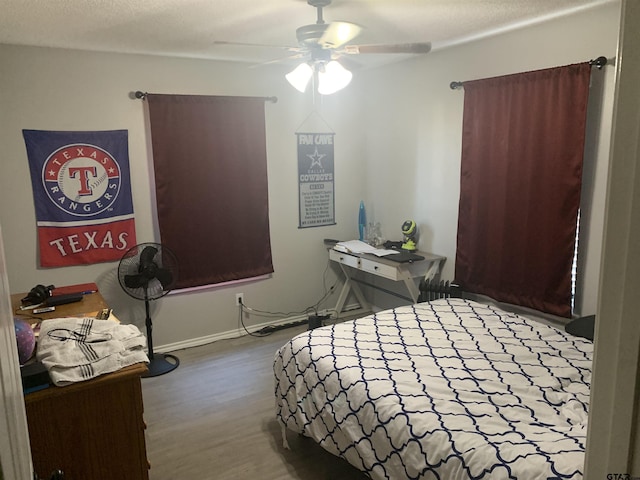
241 308
269 329
312 309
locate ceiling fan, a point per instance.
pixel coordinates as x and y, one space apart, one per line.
322 44
332 36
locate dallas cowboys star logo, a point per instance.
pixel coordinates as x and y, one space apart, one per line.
316 157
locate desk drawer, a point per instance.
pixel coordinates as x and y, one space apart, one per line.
344 258
380 269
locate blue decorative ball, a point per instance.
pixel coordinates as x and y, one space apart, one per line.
26 340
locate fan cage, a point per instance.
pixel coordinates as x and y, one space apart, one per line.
130 265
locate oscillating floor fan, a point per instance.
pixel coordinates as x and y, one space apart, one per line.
147 272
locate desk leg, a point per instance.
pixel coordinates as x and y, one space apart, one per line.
409 278
350 286
413 289
434 270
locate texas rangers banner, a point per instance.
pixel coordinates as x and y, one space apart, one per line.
315 177
82 193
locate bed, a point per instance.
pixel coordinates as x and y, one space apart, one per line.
448 389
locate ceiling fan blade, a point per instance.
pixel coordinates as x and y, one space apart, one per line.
262 45
410 48
337 34
280 60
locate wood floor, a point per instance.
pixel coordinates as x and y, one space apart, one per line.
214 418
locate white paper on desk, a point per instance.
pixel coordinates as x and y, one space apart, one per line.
357 246
353 246
382 252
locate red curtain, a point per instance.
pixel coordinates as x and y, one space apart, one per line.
210 165
521 173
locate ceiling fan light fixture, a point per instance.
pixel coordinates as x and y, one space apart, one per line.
300 76
333 77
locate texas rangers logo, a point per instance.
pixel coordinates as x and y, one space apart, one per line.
81 179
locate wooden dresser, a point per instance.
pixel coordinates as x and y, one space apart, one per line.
92 430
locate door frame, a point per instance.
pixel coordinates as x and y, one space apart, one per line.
15 452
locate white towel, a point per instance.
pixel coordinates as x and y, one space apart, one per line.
76 349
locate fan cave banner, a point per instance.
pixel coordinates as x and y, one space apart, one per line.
82 194
315 177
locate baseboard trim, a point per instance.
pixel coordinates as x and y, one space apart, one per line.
239 332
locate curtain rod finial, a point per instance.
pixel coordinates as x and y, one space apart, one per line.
455 85
140 94
599 62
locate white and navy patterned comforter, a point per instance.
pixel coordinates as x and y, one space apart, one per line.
450 389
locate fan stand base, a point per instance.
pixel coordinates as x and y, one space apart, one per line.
161 364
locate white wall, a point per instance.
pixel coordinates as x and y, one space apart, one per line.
414 139
53 89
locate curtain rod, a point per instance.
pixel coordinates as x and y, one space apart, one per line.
143 95
598 62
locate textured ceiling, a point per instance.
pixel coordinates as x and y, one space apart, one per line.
191 28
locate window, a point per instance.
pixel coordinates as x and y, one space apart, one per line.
211 186
522 151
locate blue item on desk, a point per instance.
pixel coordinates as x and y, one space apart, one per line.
362 220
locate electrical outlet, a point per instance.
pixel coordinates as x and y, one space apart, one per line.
239 299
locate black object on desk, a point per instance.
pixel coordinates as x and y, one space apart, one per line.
63 299
404 256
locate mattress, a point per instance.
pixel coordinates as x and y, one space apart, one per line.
449 389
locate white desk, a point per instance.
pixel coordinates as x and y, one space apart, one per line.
406 272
